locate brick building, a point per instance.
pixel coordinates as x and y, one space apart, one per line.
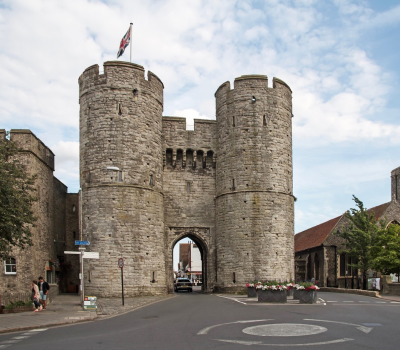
317 249
58 217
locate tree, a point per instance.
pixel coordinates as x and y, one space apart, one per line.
16 199
360 236
386 250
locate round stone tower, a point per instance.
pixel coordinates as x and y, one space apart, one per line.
121 179
254 187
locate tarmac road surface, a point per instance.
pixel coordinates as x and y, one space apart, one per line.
212 321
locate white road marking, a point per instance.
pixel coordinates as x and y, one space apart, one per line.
381 302
20 337
4 346
205 330
348 301
243 342
359 327
322 301
332 301
284 330
395 302
241 302
39 330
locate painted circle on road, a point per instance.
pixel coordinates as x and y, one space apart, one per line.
284 330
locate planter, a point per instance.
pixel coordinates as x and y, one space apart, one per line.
272 296
251 292
18 309
305 297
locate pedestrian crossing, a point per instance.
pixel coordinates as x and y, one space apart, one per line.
16 339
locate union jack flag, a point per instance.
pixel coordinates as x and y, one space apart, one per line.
124 42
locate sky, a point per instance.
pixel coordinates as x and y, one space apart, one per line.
338 57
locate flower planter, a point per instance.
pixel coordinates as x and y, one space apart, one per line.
251 292
272 296
305 297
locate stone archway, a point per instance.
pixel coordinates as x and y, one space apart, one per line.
200 236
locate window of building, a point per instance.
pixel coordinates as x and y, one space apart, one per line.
151 180
73 208
120 176
233 121
342 264
264 120
10 266
188 186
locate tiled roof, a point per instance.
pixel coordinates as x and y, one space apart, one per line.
314 236
379 210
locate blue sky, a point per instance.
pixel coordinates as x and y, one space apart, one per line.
339 57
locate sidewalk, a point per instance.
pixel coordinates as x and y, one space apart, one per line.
390 297
66 309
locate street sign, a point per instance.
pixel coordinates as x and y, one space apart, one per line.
82 242
120 263
91 255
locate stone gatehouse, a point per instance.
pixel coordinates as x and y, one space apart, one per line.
147 182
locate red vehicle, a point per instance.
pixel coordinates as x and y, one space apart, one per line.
183 284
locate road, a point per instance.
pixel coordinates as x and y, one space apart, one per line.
208 321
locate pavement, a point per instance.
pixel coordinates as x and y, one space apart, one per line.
66 309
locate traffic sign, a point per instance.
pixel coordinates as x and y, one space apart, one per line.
120 263
82 242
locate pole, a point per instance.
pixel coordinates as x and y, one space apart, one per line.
81 248
122 283
130 35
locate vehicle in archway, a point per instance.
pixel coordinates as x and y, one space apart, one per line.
183 284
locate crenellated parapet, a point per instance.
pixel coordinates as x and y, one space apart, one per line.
27 141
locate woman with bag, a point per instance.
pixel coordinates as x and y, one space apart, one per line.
35 295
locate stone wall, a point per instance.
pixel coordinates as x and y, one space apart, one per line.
122 179
254 188
33 261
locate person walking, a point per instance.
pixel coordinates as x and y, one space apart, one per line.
43 290
35 295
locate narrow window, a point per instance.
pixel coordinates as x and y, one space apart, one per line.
169 156
264 120
189 157
233 121
233 184
151 180
10 266
342 264
188 186
119 109
135 94
73 208
234 277
74 234
253 100
120 176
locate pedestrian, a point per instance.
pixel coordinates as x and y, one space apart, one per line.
43 290
35 295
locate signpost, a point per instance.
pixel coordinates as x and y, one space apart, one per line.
121 266
83 255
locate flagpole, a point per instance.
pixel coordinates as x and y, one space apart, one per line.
130 35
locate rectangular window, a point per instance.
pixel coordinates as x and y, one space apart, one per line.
188 186
120 176
10 267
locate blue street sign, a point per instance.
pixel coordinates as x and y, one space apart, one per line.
82 242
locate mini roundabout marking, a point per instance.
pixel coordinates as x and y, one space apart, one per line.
283 330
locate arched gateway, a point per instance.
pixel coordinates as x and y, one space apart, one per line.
147 182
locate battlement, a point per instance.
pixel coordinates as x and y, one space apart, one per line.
27 141
118 74
252 81
2 134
